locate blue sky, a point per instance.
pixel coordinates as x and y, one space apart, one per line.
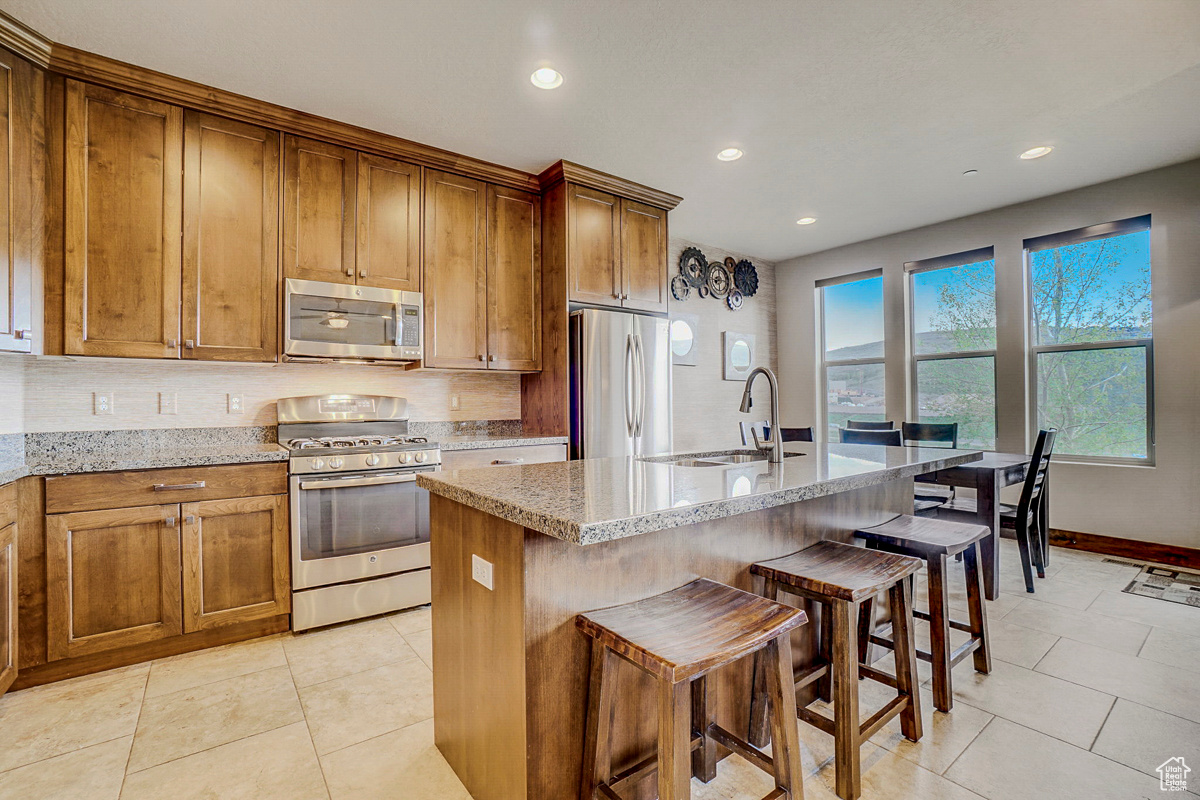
854 313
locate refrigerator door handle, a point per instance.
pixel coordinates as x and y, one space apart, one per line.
640 367
630 416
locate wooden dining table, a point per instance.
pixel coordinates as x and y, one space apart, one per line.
987 477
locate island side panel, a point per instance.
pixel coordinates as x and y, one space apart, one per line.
563 579
478 650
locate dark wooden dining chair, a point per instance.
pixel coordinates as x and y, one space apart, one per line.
930 434
787 434
855 436
869 425
746 427
1029 518
796 434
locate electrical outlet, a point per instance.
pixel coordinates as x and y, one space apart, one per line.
235 403
102 402
481 571
454 402
168 403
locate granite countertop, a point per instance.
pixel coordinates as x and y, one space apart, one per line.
82 460
476 442
598 500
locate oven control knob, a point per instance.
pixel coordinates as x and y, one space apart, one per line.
420 457
372 459
403 458
336 462
318 463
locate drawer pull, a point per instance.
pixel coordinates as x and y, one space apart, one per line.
190 519
173 487
170 521
500 461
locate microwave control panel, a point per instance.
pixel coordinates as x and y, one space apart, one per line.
410 331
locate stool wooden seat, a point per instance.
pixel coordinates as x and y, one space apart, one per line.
839 577
678 637
935 540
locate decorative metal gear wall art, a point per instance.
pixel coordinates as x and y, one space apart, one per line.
730 280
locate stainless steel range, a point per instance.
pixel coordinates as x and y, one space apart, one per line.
360 524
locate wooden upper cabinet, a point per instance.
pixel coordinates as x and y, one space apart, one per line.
235 561
389 224
21 91
318 214
8 605
514 280
113 579
644 278
455 272
230 240
122 218
594 246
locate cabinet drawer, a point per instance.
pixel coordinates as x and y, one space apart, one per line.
489 456
100 490
8 504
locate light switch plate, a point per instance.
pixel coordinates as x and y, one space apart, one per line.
102 402
454 402
168 403
481 571
235 403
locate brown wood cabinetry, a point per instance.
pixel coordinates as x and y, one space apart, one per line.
230 240
318 211
127 574
122 224
483 275
455 272
235 561
21 93
643 257
388 255
8 586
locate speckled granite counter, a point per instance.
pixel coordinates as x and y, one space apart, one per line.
598 500
471 442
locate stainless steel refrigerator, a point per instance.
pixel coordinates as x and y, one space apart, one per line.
620 384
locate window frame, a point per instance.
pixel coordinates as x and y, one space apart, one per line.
913 268
1088 233
825 363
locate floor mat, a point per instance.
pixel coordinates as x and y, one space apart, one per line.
1164 583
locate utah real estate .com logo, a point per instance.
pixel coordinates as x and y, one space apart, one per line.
1172 775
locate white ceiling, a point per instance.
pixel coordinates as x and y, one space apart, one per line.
862 113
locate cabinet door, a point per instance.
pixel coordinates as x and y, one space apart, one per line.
643 257
318 211
8 605
230 240
594 247
20 91
112 579
514 279
389 224
123 215
455 272
235 561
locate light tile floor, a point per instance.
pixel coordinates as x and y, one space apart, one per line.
1092 689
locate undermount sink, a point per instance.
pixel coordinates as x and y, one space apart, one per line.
719 459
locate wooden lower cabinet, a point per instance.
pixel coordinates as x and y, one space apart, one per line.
112 579
131 576
235 561
8 605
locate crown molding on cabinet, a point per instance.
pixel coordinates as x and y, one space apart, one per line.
24 40
595 179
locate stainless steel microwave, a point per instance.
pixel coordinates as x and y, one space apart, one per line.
344 321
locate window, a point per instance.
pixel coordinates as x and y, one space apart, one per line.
1091 333
852 347
952 315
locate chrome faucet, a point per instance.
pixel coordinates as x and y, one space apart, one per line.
771 446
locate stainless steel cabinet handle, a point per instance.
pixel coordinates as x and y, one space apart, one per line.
24 333
509 461
172 487
172 343
362 273
190 519
491 358
188 343
170 522
348 483
481 356
350 272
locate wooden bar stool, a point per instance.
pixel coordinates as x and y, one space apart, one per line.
839 577
679 637
935 540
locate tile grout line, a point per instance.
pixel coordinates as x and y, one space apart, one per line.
307 727
133 740
376 736
974 739
1100 730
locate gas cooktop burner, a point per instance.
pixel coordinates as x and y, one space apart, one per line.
327 442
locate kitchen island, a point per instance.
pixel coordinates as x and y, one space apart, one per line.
510 668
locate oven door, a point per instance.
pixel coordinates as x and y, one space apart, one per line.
334 320
349 527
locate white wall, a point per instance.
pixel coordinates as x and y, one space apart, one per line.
1159 503
705 407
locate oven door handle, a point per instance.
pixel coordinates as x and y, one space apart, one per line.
370 480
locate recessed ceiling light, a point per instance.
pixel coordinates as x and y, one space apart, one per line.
546 78
1036 152
806 220
730 154
971 172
